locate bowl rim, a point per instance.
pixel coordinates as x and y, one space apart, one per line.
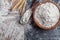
41 26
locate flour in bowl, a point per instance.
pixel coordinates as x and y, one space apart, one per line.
47 14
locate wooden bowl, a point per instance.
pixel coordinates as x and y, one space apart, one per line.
41 26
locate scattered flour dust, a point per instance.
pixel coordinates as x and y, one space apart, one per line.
4 7
47 14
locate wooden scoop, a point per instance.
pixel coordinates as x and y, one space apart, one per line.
26 16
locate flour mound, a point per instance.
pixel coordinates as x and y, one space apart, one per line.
47 14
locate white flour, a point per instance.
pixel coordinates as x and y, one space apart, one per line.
4 7
25 18
9 26
47 14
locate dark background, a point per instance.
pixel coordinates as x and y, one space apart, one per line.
32 32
